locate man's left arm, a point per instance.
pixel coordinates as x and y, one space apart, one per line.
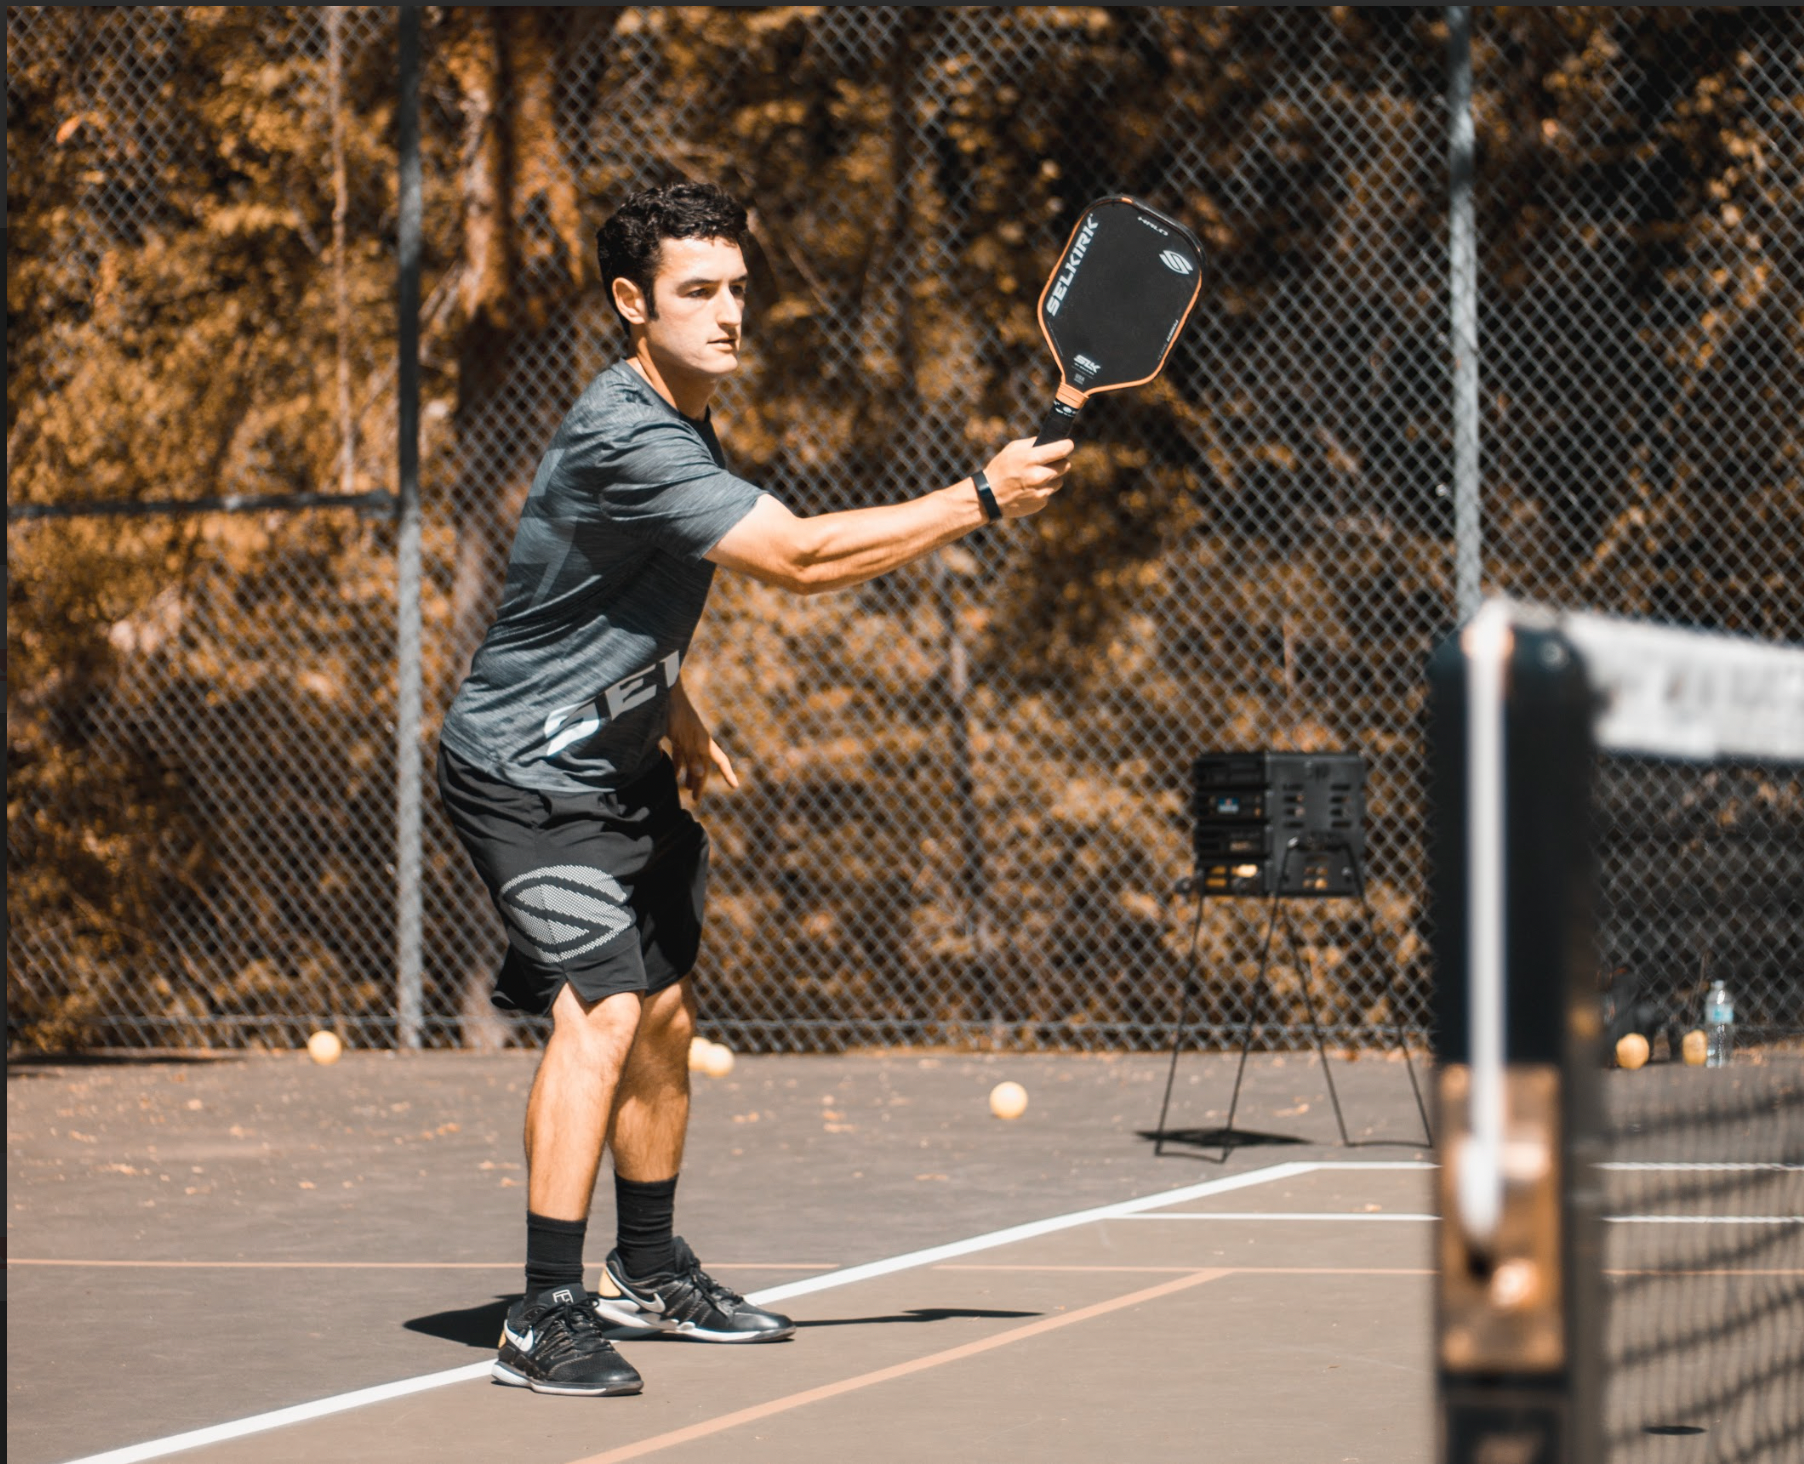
692 747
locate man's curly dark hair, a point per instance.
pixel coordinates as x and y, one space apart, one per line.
626 246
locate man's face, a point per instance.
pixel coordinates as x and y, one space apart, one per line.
700 295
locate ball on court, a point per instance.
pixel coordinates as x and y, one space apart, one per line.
1695 1048
698 1054
718 1061
1631 1050
1008 1100
325 1048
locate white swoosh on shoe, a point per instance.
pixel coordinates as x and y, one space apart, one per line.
649 1301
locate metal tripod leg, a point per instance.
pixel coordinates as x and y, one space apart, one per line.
1409 1066
1307 974
1260 998
1177 1045
1414 1087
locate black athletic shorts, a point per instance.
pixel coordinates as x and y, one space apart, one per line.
602 890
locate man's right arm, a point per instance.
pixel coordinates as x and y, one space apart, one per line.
834 550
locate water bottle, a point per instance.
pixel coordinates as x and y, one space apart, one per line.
1719 1026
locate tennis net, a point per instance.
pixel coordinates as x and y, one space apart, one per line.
1704 1262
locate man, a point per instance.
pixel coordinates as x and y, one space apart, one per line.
552 770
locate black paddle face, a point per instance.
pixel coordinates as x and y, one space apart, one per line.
1117 299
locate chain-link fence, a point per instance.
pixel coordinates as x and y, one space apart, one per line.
965 795
1643 324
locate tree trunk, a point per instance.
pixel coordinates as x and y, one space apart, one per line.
504 61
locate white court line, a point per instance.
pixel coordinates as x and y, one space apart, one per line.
1704 1219
1399 1216
1284 1215
1122 1210
1661 1166
219 1433
343 1402
1382 1215
1375 1164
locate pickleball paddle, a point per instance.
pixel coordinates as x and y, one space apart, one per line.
1115 302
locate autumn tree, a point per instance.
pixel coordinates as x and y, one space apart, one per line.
965 799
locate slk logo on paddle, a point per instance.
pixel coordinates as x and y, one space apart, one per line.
1175 262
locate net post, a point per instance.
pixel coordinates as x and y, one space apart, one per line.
1517 1306
408 694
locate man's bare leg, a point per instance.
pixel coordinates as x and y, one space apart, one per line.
651 1105
650 1121
654 1284
572 1096
552 1341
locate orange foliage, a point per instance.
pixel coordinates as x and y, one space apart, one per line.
1233 565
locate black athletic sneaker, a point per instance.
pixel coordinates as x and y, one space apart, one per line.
555 1345
687 1303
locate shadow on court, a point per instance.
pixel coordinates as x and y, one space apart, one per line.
919 1314
50 1064
471 1326
480 1326
1217 1138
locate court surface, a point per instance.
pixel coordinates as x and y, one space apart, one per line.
212 1242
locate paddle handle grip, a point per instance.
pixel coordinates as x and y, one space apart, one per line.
1060 422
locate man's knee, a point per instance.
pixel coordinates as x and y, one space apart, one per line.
667 1020
603 1030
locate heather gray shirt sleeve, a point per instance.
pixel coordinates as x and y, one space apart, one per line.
656 479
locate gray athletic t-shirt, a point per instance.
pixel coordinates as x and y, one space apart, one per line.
570 690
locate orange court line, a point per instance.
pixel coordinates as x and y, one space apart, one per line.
900 1370
387 1265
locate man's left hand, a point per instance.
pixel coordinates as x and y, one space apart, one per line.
692 748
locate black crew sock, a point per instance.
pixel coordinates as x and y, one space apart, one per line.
645 1212
554 1253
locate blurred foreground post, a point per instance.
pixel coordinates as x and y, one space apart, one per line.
1511 887
407 556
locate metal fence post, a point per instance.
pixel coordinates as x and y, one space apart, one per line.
407 553
1462 261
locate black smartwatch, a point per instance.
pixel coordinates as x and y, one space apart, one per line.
986 497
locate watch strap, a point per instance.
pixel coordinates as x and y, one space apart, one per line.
986 496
